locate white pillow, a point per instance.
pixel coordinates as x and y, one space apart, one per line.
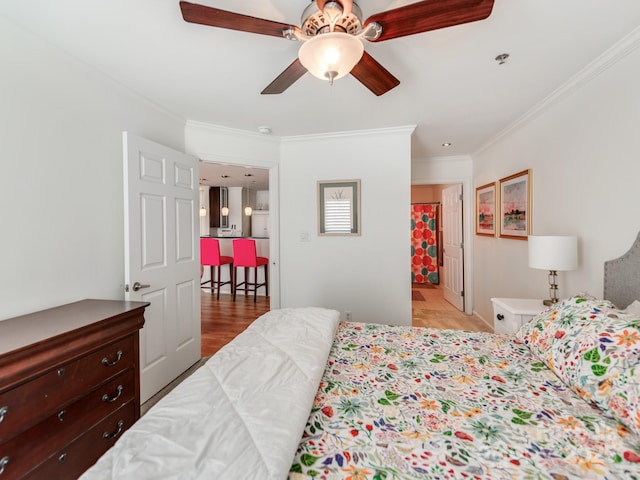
633 309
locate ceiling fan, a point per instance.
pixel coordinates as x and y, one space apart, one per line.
332 32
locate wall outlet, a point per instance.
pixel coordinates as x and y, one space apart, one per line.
304 236
347 315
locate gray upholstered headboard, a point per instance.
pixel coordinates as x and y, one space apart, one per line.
622 277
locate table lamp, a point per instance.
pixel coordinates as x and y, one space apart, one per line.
553 253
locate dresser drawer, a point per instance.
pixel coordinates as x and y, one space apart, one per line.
32 447
35 400
72 460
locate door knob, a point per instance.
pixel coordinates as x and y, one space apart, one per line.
138 286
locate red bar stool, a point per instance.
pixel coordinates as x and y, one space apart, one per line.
210 257
244 255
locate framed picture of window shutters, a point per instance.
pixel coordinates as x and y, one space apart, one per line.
515 205
338 207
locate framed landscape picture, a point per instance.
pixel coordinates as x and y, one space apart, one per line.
515 205
486 210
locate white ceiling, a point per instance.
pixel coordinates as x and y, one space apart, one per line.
451 86
234 176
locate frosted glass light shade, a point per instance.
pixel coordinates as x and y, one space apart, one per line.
247 211
558 253
203 212
224 211
329 56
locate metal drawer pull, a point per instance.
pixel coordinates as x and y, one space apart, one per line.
3 413
500 316
61 415
110 436
3 463
107 398
61 372
62 458
107 363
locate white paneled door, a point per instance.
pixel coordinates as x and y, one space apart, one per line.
162 259
452 246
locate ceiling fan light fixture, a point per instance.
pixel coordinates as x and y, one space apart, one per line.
329 56
333 10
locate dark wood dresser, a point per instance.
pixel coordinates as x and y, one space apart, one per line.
69 386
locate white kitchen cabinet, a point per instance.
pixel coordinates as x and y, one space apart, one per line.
260 223
509 314
262 200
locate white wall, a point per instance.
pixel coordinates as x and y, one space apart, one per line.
61 194
368 274
453 170
584 148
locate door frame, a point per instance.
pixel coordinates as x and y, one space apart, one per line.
467 225
274 220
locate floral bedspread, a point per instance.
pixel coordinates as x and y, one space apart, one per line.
417 403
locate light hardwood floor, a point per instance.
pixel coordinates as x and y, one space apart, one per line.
224 319
430 309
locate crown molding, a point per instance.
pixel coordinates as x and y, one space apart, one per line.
237 132
617 52
407 130
441 159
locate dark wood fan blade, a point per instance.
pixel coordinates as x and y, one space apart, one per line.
373 75
215 17
287 78
429 15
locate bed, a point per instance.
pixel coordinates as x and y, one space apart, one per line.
301 395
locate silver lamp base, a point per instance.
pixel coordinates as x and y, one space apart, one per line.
553 288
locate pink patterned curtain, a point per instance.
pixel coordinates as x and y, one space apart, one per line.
424 243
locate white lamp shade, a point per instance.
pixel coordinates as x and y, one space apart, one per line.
224 211
203 212
331 52
553 252
248 211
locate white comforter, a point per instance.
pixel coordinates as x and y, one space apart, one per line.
241 415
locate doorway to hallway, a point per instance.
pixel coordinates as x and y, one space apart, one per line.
441 206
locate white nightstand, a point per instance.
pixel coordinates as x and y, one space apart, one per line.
509 314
